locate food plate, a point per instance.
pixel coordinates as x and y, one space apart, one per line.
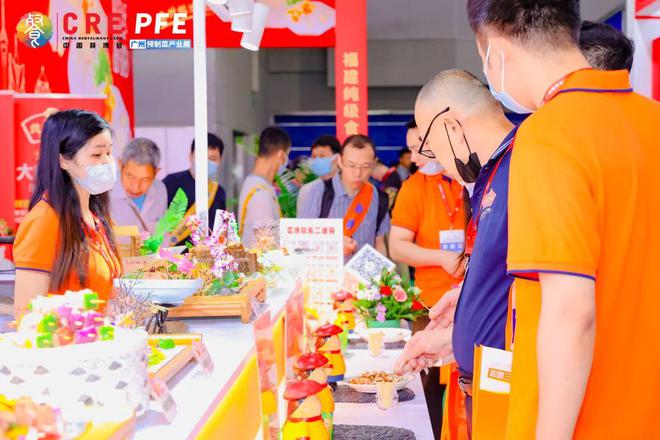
163 291
391 334
372 388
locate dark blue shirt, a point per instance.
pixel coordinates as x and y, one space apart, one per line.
186 182
483 304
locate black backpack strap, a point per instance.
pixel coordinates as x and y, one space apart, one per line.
383 207
328 197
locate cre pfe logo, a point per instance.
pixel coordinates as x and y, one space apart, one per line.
34 29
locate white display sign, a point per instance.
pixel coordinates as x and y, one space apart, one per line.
320 243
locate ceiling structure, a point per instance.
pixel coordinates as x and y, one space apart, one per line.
445 19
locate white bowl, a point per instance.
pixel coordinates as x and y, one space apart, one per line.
391 334
373 389
163 291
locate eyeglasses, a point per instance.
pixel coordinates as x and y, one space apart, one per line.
360 167
428 153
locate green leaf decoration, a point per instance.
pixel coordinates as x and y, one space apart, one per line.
170 220
286 199
102 70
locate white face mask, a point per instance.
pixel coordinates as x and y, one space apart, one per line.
99 179
431 169
505 98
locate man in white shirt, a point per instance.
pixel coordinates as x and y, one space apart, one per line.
258 205
139 198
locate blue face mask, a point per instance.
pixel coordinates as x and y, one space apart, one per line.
213 170
507 100
321 166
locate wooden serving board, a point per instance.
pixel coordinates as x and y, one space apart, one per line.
172 366
211 306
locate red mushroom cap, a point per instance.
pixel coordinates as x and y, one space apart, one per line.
299 389
310 361
327 330
342 295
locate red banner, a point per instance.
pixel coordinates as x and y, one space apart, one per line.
74 46
351 68
641 4
7 164
290 23
30 113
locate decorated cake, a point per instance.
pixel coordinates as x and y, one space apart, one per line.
66 354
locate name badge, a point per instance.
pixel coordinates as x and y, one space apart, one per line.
452 240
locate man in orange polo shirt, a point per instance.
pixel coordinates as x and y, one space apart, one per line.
429 202
583 229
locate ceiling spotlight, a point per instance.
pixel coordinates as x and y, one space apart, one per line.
242 23
252 40
239 7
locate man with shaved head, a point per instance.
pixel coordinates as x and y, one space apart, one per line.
463 126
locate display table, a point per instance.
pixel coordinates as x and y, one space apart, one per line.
412 415
231 346
226 403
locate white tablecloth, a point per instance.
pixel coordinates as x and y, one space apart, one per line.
412 415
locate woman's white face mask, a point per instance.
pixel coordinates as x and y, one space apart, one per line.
93 167
98 179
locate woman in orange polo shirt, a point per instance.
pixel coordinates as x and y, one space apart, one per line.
65 241
429 205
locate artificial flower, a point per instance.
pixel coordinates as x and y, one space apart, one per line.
380 309
166 254
363 294
416 305
400 295
185 265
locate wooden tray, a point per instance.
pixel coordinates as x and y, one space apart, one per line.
168 369
212 306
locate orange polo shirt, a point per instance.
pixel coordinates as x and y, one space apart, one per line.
36 248
584 199
420 208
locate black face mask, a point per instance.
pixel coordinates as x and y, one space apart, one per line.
468 171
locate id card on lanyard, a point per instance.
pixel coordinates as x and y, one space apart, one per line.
453 239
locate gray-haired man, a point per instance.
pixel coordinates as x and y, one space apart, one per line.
139 198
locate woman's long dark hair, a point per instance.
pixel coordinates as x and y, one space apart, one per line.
65 133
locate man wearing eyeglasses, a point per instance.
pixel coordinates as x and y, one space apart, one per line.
464 126
350 196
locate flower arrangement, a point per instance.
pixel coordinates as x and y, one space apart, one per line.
208 257
389 298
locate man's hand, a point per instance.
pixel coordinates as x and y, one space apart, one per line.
442 313
425 349
350 245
